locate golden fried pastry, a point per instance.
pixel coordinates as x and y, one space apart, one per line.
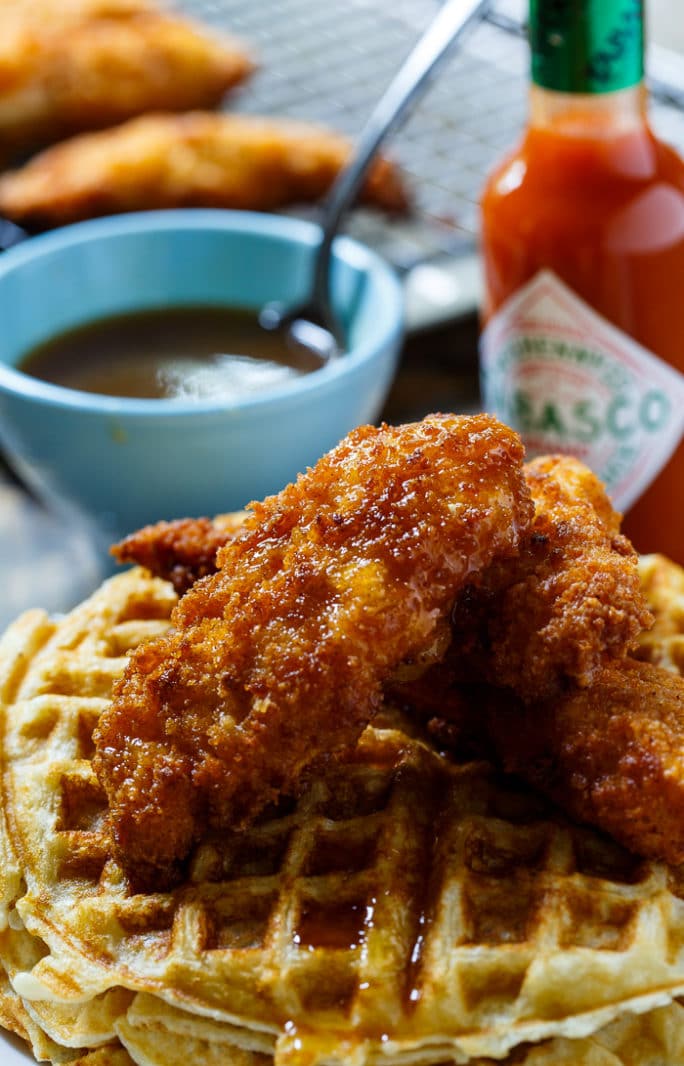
197 159
83 66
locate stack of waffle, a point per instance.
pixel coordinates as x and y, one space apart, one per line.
405 909
663 584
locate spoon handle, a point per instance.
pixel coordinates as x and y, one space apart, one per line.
10 234
451 19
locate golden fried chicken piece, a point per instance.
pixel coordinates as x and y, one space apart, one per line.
568 604
198 159
611 754
278 659
569 601
552 616
181 551
90 65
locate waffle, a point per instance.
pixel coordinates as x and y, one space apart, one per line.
12 1012
15 1016
89 1024
159 1036
663 583
403 910
156 1034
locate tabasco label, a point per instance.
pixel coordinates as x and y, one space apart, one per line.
569 381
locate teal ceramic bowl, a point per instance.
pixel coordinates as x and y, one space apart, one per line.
122 463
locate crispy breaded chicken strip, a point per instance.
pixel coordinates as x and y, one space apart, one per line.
569 603
181 551
550 618
611 754
198 159
84 67
278 659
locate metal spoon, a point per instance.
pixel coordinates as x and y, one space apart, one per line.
314 325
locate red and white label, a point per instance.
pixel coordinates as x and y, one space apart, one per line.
571 382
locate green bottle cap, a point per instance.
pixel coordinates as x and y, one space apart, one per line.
587 46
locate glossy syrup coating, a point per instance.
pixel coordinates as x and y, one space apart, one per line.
278 659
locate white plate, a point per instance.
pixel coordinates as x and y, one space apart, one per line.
13 1051
45 561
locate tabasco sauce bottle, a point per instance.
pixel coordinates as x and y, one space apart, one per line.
583 243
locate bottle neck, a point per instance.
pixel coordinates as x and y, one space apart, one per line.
573 114
587 47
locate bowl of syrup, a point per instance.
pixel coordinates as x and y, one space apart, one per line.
136 383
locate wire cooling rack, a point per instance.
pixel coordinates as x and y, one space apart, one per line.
329 62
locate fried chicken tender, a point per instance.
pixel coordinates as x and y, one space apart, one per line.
552 616
181 551
568 604
199 159
611 754
66 68
278 659
569 601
